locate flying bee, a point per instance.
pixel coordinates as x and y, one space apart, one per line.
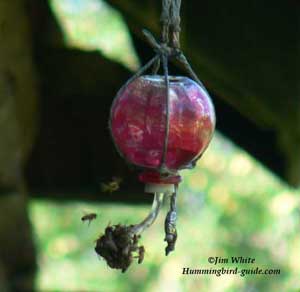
89 217
111 186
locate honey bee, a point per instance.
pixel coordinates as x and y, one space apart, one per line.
141 254
170 231
89 217
111 186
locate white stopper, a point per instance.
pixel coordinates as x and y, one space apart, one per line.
159 188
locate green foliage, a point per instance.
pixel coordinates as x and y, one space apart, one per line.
93 25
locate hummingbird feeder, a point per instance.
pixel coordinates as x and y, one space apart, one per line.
161 124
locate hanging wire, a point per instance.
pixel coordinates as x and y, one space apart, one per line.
163 167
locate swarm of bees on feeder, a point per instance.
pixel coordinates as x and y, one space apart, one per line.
119 247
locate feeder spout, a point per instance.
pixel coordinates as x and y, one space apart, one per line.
149 220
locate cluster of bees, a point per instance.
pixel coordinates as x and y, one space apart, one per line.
119 247
111 247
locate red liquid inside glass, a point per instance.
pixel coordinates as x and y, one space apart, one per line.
138 121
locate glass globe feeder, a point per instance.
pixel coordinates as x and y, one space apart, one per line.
139 126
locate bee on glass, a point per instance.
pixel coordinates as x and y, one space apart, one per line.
89 217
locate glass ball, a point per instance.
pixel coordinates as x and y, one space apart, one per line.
138 121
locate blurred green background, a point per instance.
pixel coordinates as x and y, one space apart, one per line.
229 205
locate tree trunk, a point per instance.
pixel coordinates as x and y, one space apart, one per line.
18 104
